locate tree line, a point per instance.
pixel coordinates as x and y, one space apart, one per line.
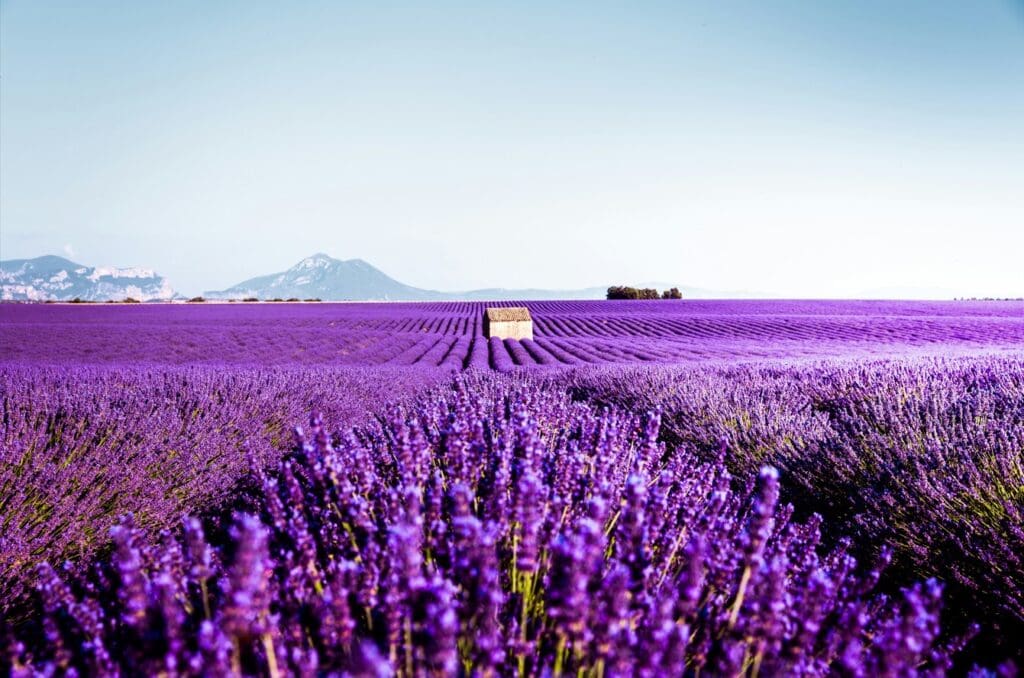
623 292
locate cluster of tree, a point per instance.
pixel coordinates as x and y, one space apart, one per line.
622 292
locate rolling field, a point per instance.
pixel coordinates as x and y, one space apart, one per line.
645 488
450 335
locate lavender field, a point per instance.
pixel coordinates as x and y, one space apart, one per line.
643 488
450 335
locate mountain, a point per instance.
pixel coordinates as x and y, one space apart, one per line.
51 278
323 277
319 276
703 293
329 279
926 293
501 294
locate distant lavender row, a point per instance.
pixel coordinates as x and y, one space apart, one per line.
449 335
494 529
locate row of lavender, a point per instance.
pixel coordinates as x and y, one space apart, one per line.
81 446
450 336
493 527
925 457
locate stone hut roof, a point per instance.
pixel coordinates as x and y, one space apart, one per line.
504 314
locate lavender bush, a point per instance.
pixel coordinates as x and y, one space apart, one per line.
501 527
924 456
496 527
81 446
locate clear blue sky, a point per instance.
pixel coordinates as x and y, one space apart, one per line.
802 148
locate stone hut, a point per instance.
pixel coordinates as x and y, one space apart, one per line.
508 322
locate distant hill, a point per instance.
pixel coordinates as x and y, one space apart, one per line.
329 279
319 276
51 278
323 277
500 293
702 293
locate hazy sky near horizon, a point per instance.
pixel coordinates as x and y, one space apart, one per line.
796 148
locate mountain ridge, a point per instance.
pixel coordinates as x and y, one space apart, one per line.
54 278
320 276
357 280
323 277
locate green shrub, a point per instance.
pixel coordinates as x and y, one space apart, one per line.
623 292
